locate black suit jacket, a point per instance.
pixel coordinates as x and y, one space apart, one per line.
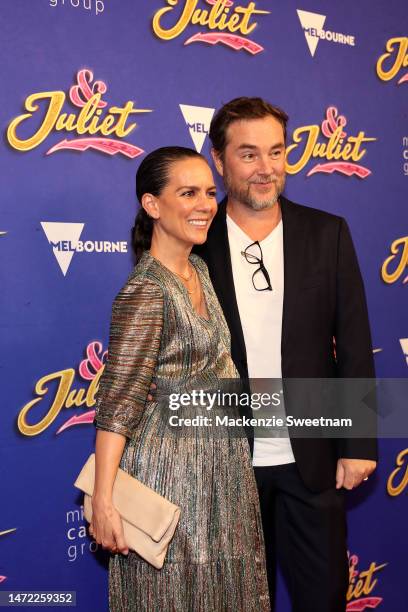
324 298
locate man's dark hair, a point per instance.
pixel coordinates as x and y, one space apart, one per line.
242 108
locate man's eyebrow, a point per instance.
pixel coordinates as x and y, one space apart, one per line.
252 147
247 146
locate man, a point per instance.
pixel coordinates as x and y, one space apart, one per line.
283 313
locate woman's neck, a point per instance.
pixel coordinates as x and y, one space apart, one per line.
172 255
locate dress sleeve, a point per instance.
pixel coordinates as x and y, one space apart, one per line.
134 342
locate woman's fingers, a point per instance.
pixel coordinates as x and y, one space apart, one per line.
152 389
118 534
102 536
108 539
111 546
110 534
121 545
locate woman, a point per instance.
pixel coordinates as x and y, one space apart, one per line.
167 328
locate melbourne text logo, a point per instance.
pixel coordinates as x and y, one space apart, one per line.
64 238
312 24
198 119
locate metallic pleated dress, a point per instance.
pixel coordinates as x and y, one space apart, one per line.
216 560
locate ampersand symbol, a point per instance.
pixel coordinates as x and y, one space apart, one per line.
332 122
88 368
81 93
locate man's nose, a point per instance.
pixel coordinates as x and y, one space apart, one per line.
265 165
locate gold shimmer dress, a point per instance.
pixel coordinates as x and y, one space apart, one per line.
215 562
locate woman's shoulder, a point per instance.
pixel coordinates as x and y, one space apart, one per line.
199 263
143 280
147 269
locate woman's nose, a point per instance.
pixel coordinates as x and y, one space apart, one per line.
205 202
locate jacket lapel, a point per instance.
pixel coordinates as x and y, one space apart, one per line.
294 243
216 252
218 257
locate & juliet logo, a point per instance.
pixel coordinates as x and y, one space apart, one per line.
393 60
2 533
341 151
232 22
65 396
398 479
93 118
361 586
398 260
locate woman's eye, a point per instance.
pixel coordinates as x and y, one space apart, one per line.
212 194
187 193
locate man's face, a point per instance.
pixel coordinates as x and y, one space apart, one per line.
253 164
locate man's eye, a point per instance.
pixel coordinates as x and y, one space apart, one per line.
276 154
248 156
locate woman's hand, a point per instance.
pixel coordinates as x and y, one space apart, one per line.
106 526
150 397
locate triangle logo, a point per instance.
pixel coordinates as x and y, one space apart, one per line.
404 346
308 22
63 237
198 119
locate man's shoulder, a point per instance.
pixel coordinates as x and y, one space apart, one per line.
314 214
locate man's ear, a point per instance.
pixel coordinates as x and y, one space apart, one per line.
151 205
217 161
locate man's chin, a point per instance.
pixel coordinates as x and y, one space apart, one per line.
261 204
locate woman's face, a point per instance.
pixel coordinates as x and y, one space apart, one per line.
187 205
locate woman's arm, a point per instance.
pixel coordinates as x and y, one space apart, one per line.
135 336
106 525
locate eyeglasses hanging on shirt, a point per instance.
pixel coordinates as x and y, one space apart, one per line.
260 278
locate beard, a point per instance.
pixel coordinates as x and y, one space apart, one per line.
243 195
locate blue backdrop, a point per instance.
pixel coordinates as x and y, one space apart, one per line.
73 74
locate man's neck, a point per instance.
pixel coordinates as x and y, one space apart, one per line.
257 224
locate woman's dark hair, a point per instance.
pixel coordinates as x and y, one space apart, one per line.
151 177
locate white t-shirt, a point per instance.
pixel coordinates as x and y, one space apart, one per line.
261 319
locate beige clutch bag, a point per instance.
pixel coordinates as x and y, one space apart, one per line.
149 520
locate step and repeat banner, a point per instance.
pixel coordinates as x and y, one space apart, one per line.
88 87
